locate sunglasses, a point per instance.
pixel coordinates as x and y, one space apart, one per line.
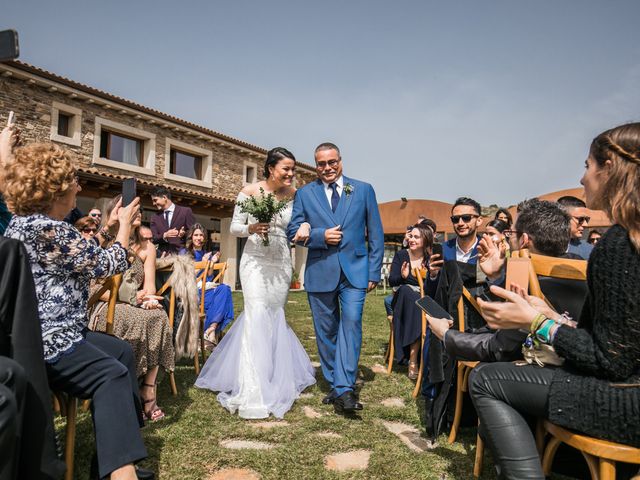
95 215
465 218
89 230
581 220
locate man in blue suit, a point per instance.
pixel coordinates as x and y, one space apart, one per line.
346 245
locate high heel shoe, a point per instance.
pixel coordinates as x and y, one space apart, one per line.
154 413
413 371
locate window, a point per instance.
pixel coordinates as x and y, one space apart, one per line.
127 148
188 163
250 173
185 164
120 148
65 124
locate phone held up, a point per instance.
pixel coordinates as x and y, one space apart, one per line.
437 250
11 120
128 191
9 47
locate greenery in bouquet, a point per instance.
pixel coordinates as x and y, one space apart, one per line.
263 208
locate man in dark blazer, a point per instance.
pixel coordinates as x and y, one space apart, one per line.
170 225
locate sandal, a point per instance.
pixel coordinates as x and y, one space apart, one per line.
413 371
154 413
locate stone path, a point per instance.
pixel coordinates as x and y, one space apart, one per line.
410 436
330 435
234 474
246 445
310 412
377 368
393 402
353 460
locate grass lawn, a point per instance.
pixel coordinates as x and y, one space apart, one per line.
185 445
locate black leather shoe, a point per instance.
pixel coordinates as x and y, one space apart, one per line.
347 403
144 474
330 398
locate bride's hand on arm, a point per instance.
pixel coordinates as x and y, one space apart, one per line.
303 234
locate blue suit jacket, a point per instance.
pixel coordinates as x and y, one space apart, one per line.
357 214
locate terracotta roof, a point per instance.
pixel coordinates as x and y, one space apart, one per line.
123 101
101 175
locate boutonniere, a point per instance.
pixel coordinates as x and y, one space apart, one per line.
348 189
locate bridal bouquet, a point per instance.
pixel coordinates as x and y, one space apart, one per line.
263 208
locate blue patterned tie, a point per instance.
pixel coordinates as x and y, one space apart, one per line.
335 197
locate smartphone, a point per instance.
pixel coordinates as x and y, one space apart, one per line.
9 48
12 118
437 250
128 191
432 308
517 273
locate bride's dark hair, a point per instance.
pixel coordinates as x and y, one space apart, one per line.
274 156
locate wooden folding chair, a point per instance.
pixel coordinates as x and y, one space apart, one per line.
221 268
389 354
171 316
68 404
421 274
463 367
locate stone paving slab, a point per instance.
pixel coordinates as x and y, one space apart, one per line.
377 368
393 402
315 364
246 445
310 412
305 396
410 436
353 460
330 435
234 474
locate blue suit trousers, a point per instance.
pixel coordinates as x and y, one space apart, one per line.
337 318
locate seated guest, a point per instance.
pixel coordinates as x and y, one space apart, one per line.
596 391
407 317
139 318
542 227
594 237
88 227
218 304
40 188
498 230
579 220
504 216
96 214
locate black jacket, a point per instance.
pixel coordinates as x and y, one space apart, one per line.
21 340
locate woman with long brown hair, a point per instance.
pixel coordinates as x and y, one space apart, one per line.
597 390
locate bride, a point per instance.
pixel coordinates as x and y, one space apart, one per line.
260 366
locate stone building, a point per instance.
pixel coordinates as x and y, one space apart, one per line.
114 138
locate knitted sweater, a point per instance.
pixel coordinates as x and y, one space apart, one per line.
588 393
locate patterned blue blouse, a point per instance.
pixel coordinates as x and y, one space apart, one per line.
63 263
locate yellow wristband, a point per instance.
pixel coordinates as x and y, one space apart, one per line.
537 321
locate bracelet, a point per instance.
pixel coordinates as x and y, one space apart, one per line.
537 321
104 233
544 331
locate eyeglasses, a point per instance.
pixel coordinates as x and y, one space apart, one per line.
509 233
581 220
89 230
331 163
465 218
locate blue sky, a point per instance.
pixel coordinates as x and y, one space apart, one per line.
497 100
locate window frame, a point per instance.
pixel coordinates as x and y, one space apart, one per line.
245 167
75 124
148 140
206 165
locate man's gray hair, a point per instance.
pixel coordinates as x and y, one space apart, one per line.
327 146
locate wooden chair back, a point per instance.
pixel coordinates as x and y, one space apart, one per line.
421 275
111 285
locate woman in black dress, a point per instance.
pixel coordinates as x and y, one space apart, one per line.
407 317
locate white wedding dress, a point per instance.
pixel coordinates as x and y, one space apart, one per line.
260 367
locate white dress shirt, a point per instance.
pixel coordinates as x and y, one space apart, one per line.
328 191
170 217
464 257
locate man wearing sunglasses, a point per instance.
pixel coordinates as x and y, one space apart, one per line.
466 219
579 220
